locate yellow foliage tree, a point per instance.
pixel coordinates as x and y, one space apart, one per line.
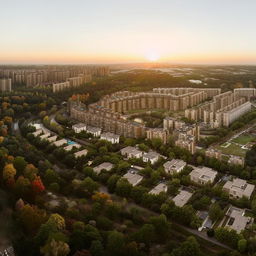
9 172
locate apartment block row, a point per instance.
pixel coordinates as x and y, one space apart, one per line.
44 75
123 102
71 82
224 109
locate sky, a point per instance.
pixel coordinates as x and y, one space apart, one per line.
126 31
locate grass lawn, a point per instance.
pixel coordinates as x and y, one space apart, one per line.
232 149
244 139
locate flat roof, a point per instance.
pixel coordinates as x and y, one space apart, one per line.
161 187
133 178
81 153
182 198
175 164
103 166
151 155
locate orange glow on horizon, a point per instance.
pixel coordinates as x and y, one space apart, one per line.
76 58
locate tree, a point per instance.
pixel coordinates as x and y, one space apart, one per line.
97 248
57 221
156 143
137 193
188 248
210 232
115 243
70 160
51 177
89 185
55 248
250 157
215 212
229 237
37 185
22 186
32 218
161 225
123 188
111 183
9 172
242 245
30 172
146 234
88 171
19 164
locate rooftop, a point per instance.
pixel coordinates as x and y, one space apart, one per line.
110 135
182 198
237 221
204 173
104 166
161 187
130 150
151 155
81 153
79 125
175 164
133 178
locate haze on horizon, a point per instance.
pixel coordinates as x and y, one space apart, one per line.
119 31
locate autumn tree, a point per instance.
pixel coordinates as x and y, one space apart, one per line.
9 172
55 248
32 218
37 185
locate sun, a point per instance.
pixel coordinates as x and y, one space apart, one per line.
152 57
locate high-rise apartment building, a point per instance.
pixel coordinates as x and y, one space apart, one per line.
5 85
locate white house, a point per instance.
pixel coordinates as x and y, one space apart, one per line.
237 220
151 157
44 136
37 132
104 166
52 139
111 137
60 143
239 188
79 127
133 178
182 198
81 153
71 146
203 175
174 166
161 187
37 126
131 152
95 131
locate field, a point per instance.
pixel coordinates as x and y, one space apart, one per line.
236 146
244 139
232 149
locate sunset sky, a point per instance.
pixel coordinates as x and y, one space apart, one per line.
119 31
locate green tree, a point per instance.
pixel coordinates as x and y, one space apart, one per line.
19 164
146 234
188 248
215 212
242 245
115 243
123 188
97 248
89 185
111 183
